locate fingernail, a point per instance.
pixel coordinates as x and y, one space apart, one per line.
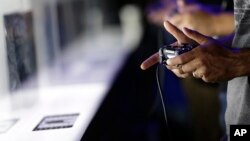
168 62
142 67
165 22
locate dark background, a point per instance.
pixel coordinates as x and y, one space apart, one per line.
132 110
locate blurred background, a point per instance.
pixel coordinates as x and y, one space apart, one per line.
83 56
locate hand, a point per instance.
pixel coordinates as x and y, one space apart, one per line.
157 13
211 61
194 16
181 38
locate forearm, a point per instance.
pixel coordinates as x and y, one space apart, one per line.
223 23
240 57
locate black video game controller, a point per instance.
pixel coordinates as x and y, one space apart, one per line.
171 51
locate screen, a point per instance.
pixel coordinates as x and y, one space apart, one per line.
20 48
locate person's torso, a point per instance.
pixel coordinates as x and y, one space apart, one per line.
238 94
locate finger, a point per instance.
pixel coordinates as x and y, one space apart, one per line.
194 75
150 61
199 73
177 33
191 66
181 4
196 36
180 74
176 20
206 75
172 67
181 59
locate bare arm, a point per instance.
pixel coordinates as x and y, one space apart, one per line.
198 17
223 23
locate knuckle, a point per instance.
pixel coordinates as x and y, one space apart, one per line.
198 50
203 61
181 59
176 72
205 73
178 75
200 61
208 79
205 79
184 76
180 71
185 68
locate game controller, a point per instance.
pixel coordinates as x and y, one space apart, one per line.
170 51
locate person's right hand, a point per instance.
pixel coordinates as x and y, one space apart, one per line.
210 61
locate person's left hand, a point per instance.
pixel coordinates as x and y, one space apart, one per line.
194 16
157 15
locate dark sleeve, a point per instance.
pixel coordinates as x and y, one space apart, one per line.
230 5
212 2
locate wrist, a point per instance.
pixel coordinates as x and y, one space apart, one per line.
240 62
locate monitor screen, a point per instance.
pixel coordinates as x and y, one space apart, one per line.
20 48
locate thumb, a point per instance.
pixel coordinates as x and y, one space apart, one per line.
196 36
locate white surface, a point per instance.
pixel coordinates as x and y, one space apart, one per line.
76 84
82 99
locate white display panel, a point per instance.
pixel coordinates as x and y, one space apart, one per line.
56 29
8 7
